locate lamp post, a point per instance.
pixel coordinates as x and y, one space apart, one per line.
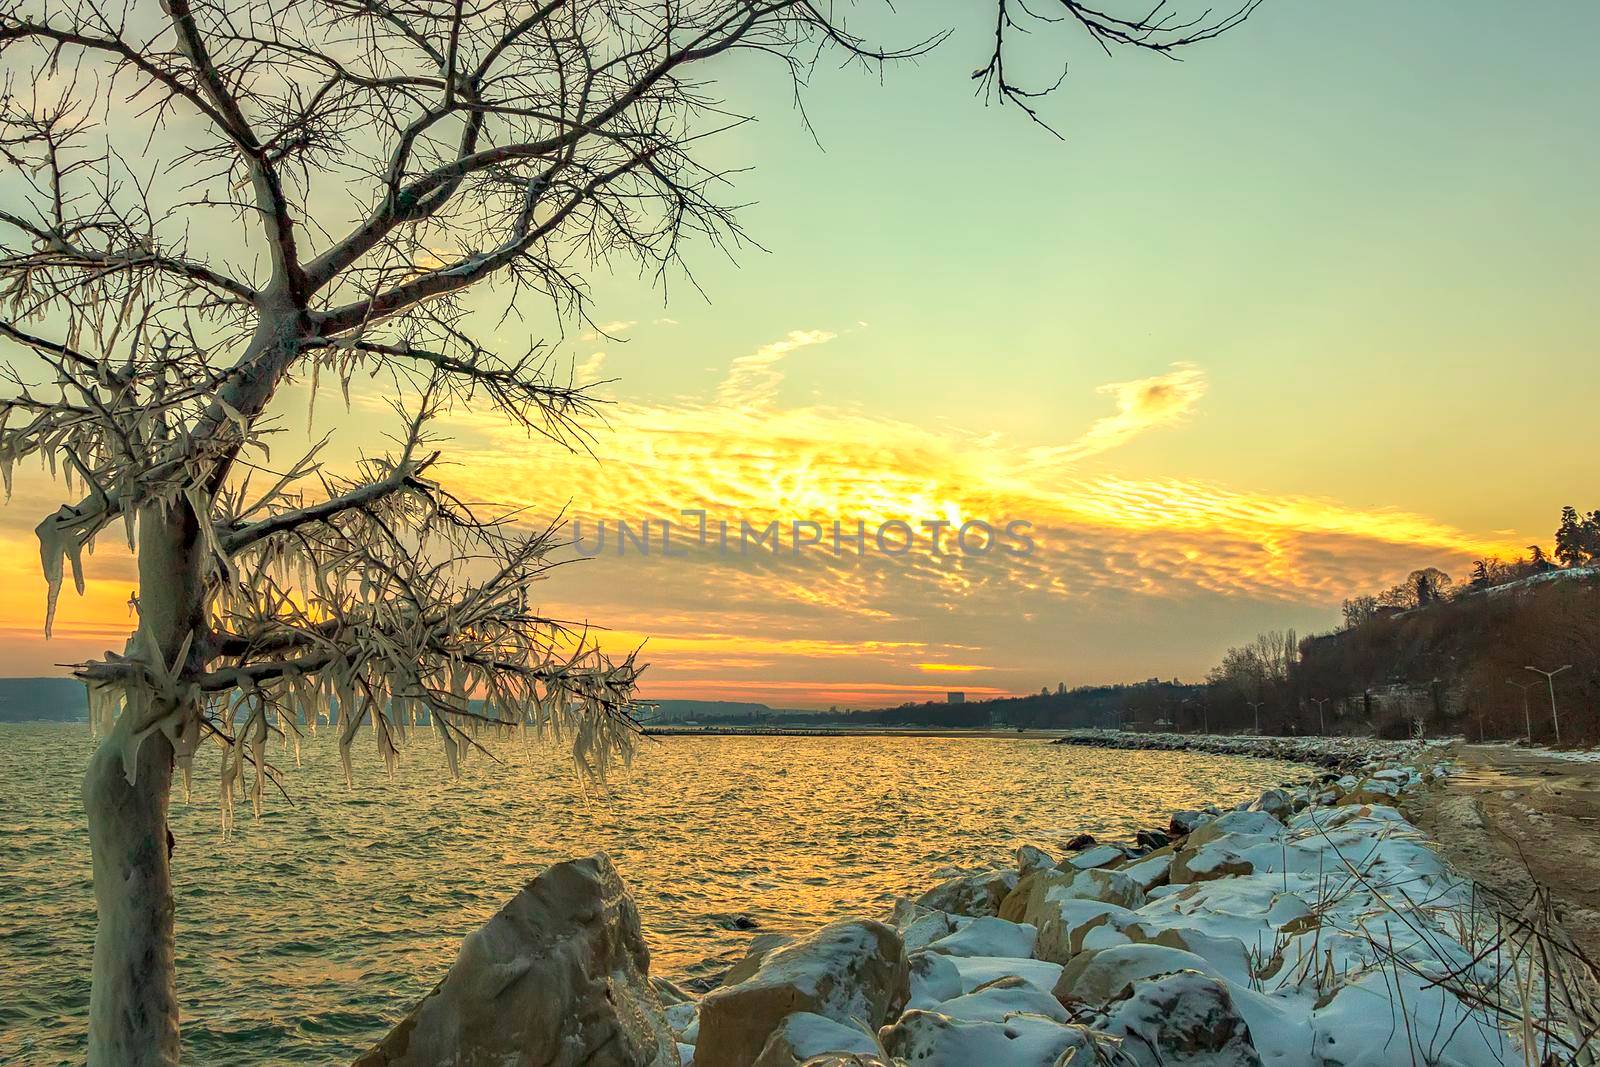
1527 715
1256 706
1322 722
1550 680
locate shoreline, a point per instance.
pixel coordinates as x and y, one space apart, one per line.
1273 933
1326 751
989 733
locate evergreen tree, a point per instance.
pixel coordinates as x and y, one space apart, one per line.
1570 538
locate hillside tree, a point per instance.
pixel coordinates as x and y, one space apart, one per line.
207 202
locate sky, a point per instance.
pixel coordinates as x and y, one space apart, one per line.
1264 329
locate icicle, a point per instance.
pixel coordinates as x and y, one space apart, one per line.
258 752
227 788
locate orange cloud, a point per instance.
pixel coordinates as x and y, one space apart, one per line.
1128 577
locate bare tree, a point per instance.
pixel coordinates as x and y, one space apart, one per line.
211 201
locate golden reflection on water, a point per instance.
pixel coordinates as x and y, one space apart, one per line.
307 932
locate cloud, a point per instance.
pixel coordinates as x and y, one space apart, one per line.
753 380
1142 404
588 371
1129 577
1184 561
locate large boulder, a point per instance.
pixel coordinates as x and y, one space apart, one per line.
1212 860
1072 921
1277 803
1033 900
931 1039
1182 1018
1227 954
987 936
1113 887
971 894
1096 978
761 946
850 970
1152 870
994 1002
934 978
919 926
1031 858
1216 849
1253 824
803 1036
1096 856
1024 898
558 978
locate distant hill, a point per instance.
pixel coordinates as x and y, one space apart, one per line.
43 700
723 711
1452 661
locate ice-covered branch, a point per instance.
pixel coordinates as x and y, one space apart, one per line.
404 476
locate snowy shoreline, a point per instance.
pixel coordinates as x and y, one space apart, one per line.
1313 925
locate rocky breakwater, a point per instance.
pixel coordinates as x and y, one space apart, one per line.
1327 752
1311 927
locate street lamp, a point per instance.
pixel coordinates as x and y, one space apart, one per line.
1321 703
1550 680
1256 706
1527 716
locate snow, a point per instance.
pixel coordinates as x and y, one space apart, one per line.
979 970
1338 947
930 1039
988 936
1006 996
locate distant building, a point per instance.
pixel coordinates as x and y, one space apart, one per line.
955 696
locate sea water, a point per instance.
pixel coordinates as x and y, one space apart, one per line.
306 933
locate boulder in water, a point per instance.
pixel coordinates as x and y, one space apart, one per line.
846 971
558 978
1030 859
971 894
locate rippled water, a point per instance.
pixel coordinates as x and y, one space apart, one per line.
305 934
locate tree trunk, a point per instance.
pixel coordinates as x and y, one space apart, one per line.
133 1009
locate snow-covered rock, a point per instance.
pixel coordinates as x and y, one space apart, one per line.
1030 859
1227 954
931 1039
761 946
934 979
1000 998
854 969
920 926
1277 803
805 1035
559 976
1035 898
974 894
1097 978
1182 1018
988 936
1070 922
1097 856
1150 871
976 971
